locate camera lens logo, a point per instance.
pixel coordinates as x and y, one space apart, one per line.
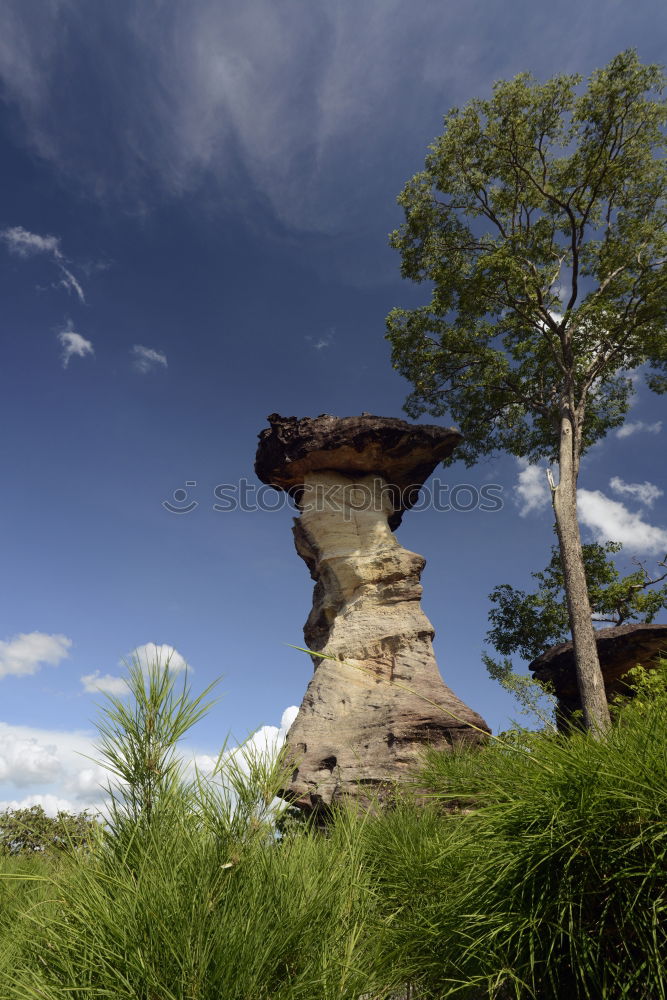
180 497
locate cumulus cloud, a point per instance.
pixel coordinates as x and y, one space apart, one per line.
636 426
22 243
145 655
145 358
151 653
532 490
97 683
24 761
262 747
61 768
73 345
268 740
26 652
51 804
607 519
646 493
611 520
54 764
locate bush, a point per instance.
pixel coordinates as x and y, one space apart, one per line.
29 831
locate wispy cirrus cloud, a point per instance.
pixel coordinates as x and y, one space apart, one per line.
646 493
27 652
298 95
146 359
22 243
637 426
73 345
322 341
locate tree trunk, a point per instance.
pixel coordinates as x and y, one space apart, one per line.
589 674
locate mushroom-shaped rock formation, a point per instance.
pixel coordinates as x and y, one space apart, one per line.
370 709
619 649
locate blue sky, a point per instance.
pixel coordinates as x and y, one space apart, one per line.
194 210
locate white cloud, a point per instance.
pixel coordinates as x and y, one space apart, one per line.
51 804
54 762
646 493
532 489
151 653
638 425
610 520
145 358
70 283
97 683
74 345
25 761
27 652
146 655
88 782
262 746
288 717
268 740
323 341
63 771
23 243
296 95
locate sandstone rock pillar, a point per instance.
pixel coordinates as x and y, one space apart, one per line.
367 713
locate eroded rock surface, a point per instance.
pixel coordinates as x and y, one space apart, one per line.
363 722
619 648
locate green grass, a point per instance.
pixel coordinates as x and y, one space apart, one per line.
185 914
550 876
533 867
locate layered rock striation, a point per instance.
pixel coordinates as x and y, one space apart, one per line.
370 709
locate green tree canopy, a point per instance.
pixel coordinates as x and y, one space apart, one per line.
540 224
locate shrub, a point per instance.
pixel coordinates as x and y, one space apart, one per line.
29 831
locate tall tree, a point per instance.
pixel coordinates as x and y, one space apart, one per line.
540 222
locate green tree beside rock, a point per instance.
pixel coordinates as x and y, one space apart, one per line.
539 222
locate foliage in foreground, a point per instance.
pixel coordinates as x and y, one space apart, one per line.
533 867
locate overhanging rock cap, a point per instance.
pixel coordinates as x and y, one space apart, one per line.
404 454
